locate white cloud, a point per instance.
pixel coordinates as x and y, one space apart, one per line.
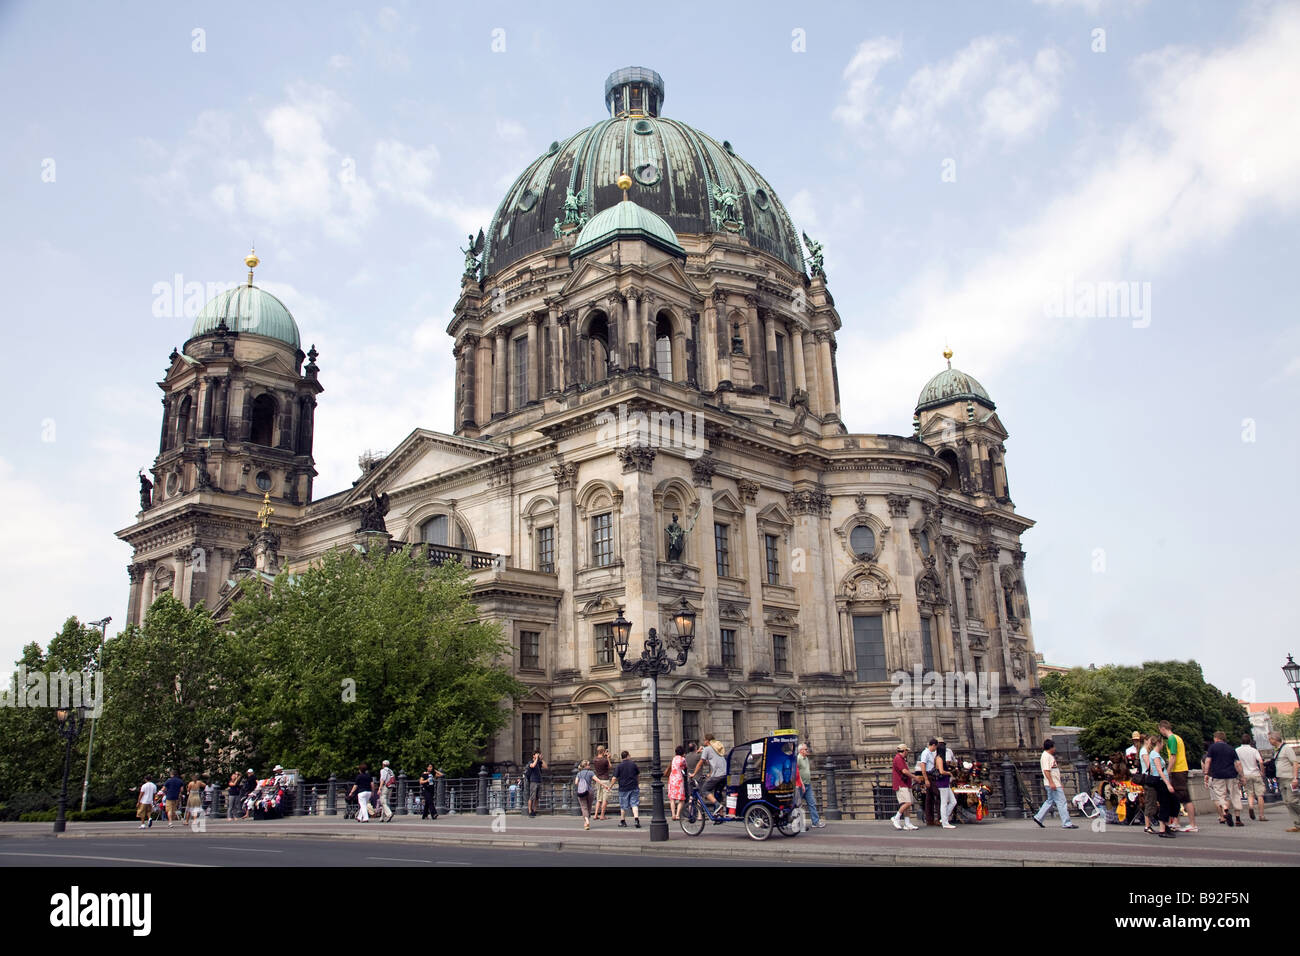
1024 97
858 101
409 175
1173 180
510 131
340 61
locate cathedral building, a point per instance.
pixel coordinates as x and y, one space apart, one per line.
647 410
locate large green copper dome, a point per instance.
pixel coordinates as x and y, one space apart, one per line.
626 220
677 173
952 385
249 309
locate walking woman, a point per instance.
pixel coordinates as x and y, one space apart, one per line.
194 800
1160 805
584 783
943 778
676 775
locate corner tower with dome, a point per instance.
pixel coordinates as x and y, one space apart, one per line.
647 410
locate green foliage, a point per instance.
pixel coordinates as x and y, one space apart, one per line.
95 815
1288 725
1112 730
365 657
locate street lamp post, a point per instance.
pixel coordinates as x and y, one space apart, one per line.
90 745
1292 671
653 662
71 720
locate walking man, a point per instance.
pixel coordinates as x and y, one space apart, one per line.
533 778
629 791
144 806
1288 777
386 777
903 777
806 788
600 766
931 782
1177 753
429 792
1222 768
1252 775
172 788
1055 792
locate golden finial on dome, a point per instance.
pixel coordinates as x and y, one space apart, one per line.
947 353
252 262
624 182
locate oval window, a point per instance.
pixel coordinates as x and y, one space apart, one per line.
760 198
726 144
264 481
642 127
647 174
553 148
863 541
528 200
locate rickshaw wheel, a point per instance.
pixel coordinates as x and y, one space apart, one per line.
693 821
791 824
758 821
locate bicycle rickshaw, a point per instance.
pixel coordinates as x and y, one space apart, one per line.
759 789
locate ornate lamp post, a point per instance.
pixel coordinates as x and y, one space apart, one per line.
71 720
90 746
655 661
1292 671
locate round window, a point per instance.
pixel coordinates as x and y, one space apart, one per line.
863 541
647 174
264 481
642 127
760 198
527 200
726 144
553 148
173 482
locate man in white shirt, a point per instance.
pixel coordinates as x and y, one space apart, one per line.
1288 777
385 781
926 759
1252 777
1055 791
144 807
1131 755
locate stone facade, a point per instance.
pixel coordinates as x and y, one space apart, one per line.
597 398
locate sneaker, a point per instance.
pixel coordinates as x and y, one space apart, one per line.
638 823
819 826
1038 821
896 823
144 826
1239 823
1064 826
622 823
1190 829
169 825
1166 834
949 826
1227 820
908 826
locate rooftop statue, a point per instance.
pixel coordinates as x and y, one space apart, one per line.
727 213
814 256
472 253
373 511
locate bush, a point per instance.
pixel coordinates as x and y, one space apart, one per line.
21 803
93 815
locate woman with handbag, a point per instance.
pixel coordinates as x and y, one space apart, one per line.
1160 805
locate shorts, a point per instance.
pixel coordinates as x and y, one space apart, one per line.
712 783
172 805
534 790
627 799
904 795
1226 791
143 811
1179 780
1254 786
602 789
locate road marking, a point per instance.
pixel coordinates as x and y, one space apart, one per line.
399 859
245 849
110 859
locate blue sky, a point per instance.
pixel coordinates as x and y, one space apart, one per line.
962 163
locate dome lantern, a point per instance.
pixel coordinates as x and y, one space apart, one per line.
634 91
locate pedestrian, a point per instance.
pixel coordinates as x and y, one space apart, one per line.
429 793
1131 754
194 801
362 788
693 758
1288 777
931 784
172 788
386 780
676 775
584 783
629 791
250 788
232 795
533 778
903 780
144 803
1224 771
806 788
943 761
1159 804
1252 776
1177 764
601 768
1055 792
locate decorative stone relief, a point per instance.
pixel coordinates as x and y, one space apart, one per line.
637 458
748 491
898 505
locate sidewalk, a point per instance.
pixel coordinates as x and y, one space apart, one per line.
992 842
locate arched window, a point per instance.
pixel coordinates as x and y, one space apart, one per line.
263 427
437 531
597 348
183 420
664 347
953 481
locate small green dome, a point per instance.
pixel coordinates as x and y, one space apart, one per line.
952 385
248 309
626 220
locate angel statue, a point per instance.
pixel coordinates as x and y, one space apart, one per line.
814 256
573 208
373 511
728 205
471 255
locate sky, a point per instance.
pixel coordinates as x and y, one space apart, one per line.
984 176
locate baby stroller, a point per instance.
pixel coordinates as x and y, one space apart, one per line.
1089 804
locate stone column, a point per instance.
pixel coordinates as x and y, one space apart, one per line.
180 586
499 373
286 419
554 382
648 305
775 386
806 509
635 353
223 396
616 304
483 381
146 592
754 343
534 365
565 329
205 406
813 370
566 554
722 332
909 617
693 350
796 358
469 411
757 654
825 378
166 424
708 624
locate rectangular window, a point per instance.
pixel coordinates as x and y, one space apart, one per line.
722 550
546 549
520 372
728 647
970 598
786 719
927 649
781 653
604 644
530 649
691 725
602 540
778 387
869 647
773 560
597 731
664 357
530 735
